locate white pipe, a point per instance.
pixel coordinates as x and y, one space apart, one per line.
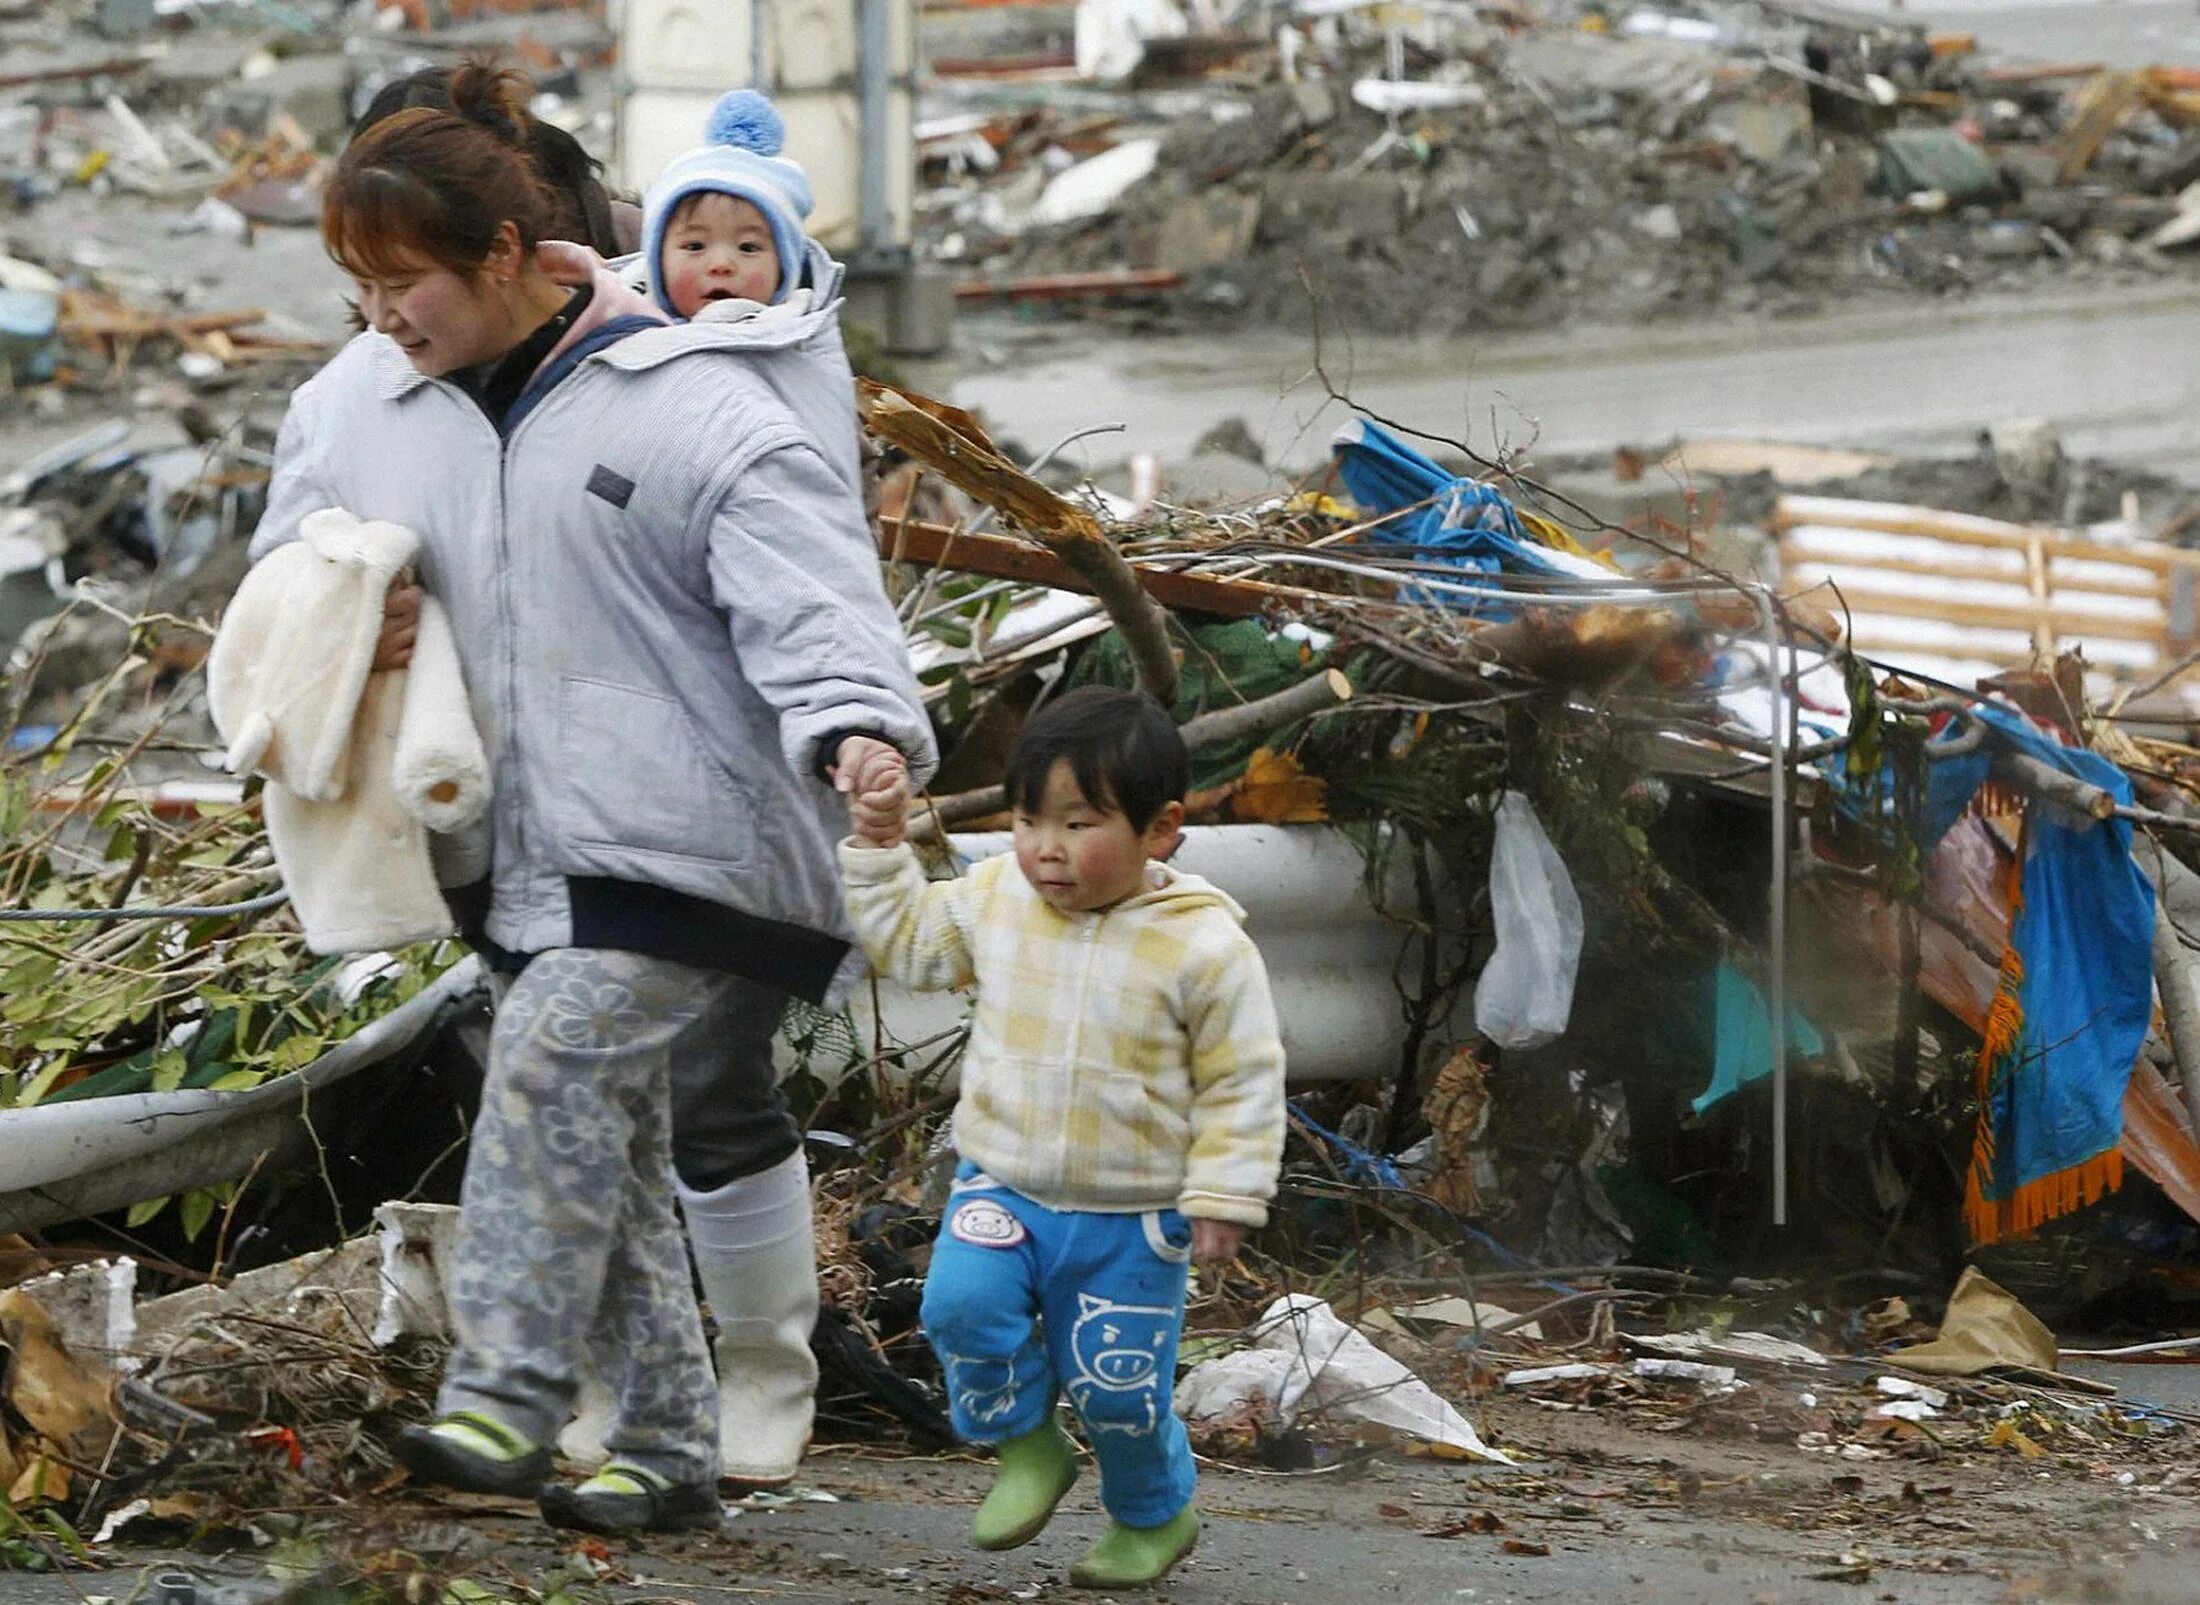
1331 955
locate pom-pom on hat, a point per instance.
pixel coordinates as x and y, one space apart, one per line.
739 156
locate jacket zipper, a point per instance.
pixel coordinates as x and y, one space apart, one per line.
1077 1026
510 622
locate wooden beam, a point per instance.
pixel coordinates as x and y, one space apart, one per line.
1003 557
1842 570
1962 529
1991 616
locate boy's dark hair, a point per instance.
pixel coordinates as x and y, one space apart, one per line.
1122 746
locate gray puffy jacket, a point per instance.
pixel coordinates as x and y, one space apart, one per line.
668 606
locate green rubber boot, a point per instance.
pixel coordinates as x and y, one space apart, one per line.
1036 1470
1132 1557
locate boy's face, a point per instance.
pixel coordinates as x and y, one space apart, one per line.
718 248
1081 856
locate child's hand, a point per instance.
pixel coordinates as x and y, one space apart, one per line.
1216 1242
874 777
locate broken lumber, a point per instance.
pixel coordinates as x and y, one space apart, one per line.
2044 781
2102 104
1002 557
1069 531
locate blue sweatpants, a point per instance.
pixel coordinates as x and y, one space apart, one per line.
1024 1303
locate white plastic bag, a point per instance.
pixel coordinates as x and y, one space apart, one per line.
1306 1360
1526 991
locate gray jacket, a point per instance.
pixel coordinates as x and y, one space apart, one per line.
668 606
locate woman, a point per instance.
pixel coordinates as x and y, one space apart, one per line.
744 1182
676 645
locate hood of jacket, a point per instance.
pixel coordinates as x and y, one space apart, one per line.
1171 891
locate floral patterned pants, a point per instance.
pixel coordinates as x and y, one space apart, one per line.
568 1242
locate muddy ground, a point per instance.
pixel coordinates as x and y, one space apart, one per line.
1622 1512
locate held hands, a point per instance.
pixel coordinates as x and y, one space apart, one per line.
1215 1242
874 777
393 648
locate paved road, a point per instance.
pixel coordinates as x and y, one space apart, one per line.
2119 33
2119 371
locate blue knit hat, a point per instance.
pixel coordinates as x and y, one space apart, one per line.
739 156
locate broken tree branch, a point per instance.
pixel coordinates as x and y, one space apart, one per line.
2042 780
1069 531
1302 701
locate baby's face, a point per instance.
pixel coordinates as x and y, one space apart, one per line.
718 247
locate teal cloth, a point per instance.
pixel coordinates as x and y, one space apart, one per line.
1742 1035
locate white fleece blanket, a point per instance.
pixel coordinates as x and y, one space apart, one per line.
360 766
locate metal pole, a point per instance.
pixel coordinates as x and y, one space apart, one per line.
874 77
759 56
1777 940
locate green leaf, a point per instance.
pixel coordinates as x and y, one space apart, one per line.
237 1081
198 1209
169 1069
958 699
41 1084
297 1051
140 1214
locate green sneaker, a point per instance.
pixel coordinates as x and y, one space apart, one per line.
473 1452
1132 1557
1036 1470
629 1499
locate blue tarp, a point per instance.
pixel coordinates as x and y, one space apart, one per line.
1469 524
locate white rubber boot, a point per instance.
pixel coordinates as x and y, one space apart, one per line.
758 1263
582 1441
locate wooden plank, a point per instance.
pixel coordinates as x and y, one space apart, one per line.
2035 573
2045 73
2150 590
1989 616
1961 529
2103 103
1002 557
1888 649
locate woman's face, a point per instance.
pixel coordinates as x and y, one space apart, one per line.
442 320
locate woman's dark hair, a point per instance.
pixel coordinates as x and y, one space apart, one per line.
437 186
1122 747
575 178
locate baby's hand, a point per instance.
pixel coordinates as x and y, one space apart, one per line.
875 779
1216 1242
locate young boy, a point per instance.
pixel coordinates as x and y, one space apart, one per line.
1121 1114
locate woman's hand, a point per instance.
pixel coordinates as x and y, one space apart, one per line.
393 649
874 777
1216 1242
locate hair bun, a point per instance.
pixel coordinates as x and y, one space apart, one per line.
746 120
496 98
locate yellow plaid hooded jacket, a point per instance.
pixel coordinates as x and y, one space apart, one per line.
1120 1061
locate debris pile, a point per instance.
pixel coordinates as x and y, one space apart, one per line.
1461 168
